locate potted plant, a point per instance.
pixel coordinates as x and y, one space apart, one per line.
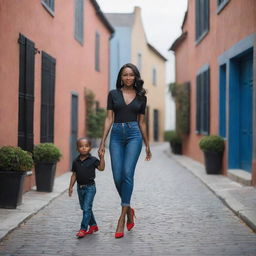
213 148
175 141
46 156
14 162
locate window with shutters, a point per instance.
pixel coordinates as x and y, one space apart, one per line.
202 19
49 5
203 102
221 4
26 94
154 76
79 21
97 51
47 98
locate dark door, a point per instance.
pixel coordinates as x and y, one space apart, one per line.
156 125
47 98
245 128
26 94
74 125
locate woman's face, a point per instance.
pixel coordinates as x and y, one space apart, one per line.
128 77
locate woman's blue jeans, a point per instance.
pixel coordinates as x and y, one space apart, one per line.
86 195
125 147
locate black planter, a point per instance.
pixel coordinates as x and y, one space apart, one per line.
176 148
45 174
11 188
213 162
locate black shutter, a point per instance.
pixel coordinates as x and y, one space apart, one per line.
26 94
207 97
47 98
198 103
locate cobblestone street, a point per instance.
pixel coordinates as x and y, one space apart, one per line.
176 215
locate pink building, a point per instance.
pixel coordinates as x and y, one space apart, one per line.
216 55
51 51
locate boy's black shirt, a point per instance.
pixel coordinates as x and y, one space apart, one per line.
85 170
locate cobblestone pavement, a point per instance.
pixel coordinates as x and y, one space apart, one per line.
176 215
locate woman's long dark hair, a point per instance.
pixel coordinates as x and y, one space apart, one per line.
138 85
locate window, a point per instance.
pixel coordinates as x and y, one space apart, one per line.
221 4
97 51
222 101
79 21
202 19
154 76
49 5
139 61
203 102
47 98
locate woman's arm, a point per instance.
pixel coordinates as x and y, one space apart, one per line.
143 130
107 125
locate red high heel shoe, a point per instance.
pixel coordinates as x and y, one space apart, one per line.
93 229
119 234
131 225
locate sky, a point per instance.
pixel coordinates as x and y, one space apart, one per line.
162 20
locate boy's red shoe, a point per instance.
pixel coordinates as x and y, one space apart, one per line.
92 229
81 233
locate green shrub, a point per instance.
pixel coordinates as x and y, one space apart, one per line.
15 159
95 116
212 143
47 153
172 136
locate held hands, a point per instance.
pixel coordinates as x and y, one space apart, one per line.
101 151
70 191
148 154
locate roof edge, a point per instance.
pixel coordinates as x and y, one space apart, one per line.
178 41
156 51
102 16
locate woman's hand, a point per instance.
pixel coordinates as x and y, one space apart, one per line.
148 154
101 150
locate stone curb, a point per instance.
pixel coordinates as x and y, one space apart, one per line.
222 187
32 202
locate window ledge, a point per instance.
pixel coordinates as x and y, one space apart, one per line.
198 41
221 6
50 11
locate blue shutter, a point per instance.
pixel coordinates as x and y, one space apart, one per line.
79 20
97 52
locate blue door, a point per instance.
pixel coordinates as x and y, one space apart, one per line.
245 98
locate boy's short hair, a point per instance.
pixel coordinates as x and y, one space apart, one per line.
84 138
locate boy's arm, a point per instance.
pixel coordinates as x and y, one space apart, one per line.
71 184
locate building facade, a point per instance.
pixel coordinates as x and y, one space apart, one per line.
216 55
129 44
51 52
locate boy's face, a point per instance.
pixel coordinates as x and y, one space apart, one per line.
83 147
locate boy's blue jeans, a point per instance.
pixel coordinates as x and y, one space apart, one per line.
86 195
125 147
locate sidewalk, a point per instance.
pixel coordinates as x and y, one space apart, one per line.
240 199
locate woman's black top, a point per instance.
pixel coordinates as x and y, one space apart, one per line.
126 112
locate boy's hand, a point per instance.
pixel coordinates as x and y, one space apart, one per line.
70 191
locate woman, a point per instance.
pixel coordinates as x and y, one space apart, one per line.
126 114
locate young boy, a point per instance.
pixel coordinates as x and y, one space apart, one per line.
83 169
